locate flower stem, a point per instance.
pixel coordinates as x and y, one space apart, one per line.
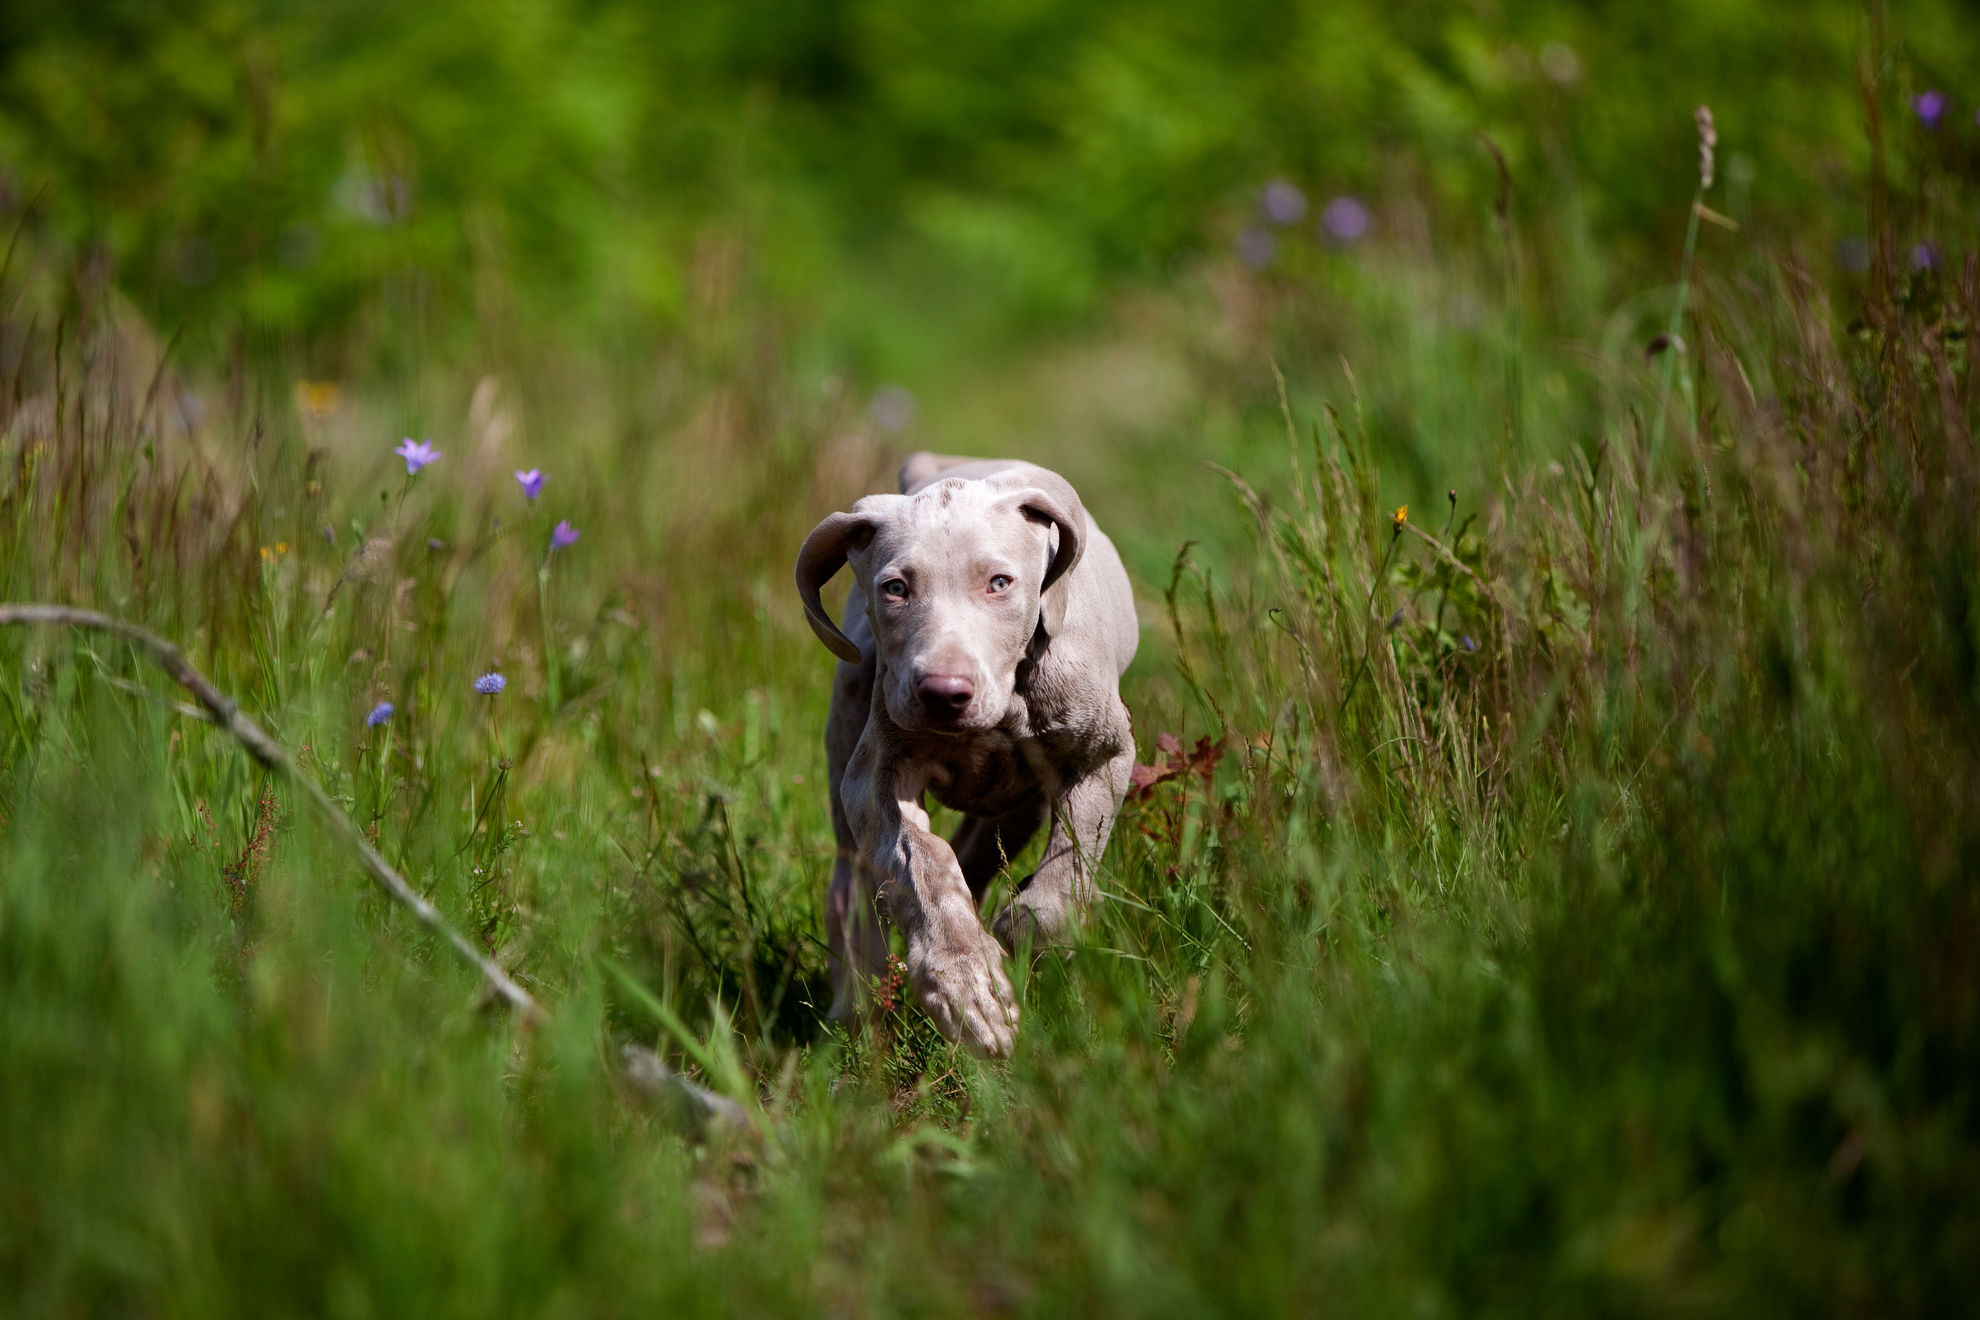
1367 650
1672 339
549 650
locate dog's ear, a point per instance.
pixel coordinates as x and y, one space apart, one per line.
822 556
1049 498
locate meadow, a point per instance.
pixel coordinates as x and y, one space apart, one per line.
1552 885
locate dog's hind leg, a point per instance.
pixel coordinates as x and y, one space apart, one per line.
1050 903
984 844
855 942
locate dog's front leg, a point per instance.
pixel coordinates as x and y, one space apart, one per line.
954 964
1051 901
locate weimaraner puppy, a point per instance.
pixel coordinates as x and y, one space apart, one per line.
993 620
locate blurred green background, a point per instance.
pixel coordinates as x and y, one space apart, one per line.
905 187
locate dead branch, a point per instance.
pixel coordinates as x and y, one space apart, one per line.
217 707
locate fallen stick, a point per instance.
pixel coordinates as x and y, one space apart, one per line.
693 1104
221 710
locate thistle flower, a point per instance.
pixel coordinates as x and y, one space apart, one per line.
1255 246
562 535
379 714
1344 219
1283 203
490 683
1708 138
1929 106
1401 517
418 455
531 482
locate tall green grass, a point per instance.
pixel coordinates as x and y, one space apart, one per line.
1563 899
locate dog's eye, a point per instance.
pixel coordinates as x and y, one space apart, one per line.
894 587
999 583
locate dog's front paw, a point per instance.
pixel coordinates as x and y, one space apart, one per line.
960 981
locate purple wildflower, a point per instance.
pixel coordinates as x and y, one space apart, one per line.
531 482
1924 257
1469 645
490 683
892 408
418 455
1255 246
1559 62
563 534
1345 219
1930 106
379 714
1284 203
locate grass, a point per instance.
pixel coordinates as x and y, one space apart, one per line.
1571 907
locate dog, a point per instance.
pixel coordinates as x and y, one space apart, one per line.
985 635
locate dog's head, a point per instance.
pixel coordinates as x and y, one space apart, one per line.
959 578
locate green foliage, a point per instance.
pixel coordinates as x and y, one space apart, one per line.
301 169
1555 898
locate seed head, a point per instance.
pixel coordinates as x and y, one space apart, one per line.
1708 138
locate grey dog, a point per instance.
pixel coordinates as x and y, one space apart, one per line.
992 620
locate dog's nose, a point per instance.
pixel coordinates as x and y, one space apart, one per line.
946 696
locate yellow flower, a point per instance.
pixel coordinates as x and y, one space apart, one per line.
1402 516
317 399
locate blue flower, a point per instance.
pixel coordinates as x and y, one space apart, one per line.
418 455
1930 106
490 683
562 535
379 714
531 482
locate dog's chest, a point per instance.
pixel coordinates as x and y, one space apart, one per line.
989 776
